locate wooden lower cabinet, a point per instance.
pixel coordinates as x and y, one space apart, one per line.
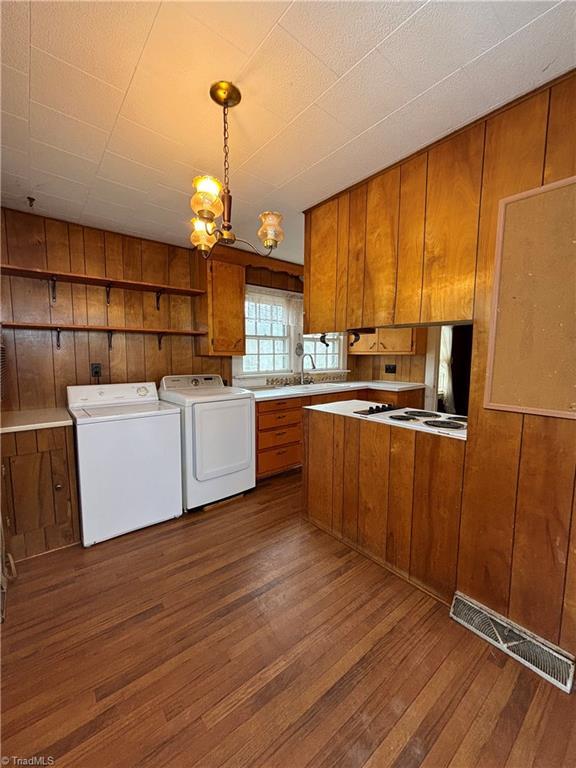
39 499
279 433
394 494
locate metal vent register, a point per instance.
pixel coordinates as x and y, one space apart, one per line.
526 648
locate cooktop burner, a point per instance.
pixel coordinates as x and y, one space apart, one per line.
463 419
444 424
403 417
423 414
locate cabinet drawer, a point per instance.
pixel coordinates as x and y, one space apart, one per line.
276 437
277 459
280 405
279 419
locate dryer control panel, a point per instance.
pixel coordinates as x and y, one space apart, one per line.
193 382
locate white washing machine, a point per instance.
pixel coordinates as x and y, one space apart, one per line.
129 467
218 437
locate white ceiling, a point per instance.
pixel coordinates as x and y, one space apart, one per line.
106 116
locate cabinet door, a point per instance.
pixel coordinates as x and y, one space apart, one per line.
395 341
342 266
226 301
382 203
356 247
452 211
367 344
322 268
411 240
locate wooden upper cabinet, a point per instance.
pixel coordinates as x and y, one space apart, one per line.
356 254
224 305
367 344
382 207
389 341
411 240
452 211
342 264
322 267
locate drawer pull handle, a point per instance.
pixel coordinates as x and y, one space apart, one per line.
280 417
58 487
281 453
280 434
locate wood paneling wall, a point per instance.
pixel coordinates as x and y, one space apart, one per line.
373 367
38 372
517 551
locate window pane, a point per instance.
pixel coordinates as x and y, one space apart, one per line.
250 327
309 347
250 363
282 363
279 345
263 329
250 309
266 346
266 363
251 346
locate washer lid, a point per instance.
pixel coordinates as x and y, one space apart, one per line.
95 413
191 396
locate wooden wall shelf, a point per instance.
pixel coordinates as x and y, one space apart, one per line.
105 282
109 329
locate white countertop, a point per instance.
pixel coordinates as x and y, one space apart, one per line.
348 408
274 393
41 418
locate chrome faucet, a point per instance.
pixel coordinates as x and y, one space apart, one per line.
302 379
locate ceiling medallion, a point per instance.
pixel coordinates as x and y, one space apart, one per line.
213 201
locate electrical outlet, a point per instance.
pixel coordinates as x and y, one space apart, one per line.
95 370
389 369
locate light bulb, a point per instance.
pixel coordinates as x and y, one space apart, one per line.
271 232
206 202
202 237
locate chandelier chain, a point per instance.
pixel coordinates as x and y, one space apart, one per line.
226 151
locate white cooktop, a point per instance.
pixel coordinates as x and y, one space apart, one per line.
351 407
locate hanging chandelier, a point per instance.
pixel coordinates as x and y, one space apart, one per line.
212 201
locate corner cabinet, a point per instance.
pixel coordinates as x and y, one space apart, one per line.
221 310
39 500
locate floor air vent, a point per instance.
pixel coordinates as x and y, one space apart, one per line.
515 641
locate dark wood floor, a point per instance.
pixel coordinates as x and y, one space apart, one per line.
246 637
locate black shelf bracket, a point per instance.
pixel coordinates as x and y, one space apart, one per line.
52 282
58 332
110 334
356 338
160 337
108 289
158 294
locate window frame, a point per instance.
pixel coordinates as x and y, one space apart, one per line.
295 308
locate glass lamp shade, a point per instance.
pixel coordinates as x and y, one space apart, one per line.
201 236
271 232
206 201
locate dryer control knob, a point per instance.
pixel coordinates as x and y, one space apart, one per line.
142 391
